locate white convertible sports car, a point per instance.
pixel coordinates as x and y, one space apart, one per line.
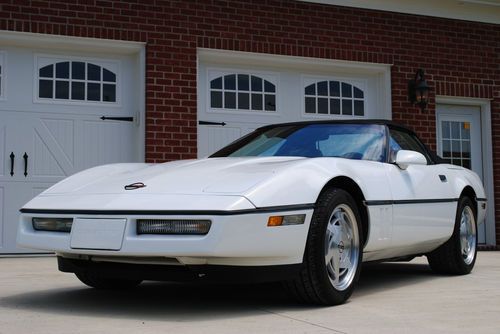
305 203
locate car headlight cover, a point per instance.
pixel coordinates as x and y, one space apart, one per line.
52 224
173 226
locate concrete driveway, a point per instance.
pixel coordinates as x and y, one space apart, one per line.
390 298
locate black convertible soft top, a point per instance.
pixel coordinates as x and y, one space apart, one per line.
386 122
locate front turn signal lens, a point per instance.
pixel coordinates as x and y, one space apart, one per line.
275 221
286 220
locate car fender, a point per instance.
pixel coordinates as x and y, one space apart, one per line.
303 182
465 177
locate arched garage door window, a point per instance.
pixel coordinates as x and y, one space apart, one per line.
242 92
78 81
330 97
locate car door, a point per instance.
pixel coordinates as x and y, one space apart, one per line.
423 202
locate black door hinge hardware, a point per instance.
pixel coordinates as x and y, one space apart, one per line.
211 123
124 119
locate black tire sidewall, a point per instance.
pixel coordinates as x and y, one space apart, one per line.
326 204
462 203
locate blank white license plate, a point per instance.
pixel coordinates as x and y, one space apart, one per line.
97 233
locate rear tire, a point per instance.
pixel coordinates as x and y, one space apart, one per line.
458 255
97 281
333 254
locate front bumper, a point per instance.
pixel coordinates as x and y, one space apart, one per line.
233 240
187 273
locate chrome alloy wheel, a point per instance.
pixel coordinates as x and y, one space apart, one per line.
468 235
342 247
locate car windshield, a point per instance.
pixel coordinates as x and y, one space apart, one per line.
351 141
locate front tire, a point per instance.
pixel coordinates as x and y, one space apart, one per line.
97 281
333 255
458 255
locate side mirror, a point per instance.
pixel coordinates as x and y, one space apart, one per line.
405 158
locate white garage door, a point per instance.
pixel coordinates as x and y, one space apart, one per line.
240 92
60 113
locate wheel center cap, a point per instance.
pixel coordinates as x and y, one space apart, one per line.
341 247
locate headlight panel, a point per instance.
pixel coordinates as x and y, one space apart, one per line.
52 224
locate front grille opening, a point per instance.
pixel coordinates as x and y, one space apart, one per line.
173 226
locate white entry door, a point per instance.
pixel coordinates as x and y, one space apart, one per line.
459 140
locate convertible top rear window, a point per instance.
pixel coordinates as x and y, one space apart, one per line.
351 141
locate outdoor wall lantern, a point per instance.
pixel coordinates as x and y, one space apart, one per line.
418 90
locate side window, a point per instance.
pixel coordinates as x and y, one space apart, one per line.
401 140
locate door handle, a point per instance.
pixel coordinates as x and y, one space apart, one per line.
25 157
211 123
123 119
12 157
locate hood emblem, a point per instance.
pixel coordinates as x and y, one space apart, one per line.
134 186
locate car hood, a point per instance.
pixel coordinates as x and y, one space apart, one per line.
193 177
208 184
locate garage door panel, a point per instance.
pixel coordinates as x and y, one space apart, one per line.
63 132
2 215
3 151
60 129
44 162
217 137
37 190
106 142
248 96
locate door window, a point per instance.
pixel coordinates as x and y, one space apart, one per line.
455 143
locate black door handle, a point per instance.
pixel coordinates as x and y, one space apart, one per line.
25 157
12 156
211 123
124 119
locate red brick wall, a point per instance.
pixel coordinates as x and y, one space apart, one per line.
460 58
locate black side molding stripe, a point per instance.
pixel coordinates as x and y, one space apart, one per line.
481 199
269 209
411 201
373 203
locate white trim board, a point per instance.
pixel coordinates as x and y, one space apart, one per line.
487 147
486 11
3 76
59 42
216 56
